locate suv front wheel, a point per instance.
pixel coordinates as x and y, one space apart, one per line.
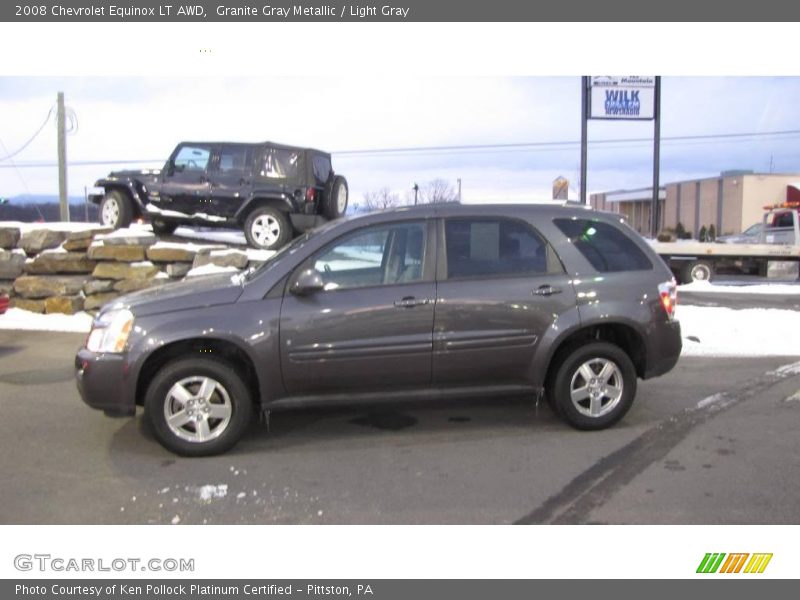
594 385
198 407
267 228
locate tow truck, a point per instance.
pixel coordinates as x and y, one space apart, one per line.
691 260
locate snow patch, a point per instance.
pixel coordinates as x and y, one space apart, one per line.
729 332
16 318
762 288
211 269
209 492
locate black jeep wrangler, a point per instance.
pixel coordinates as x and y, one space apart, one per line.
269 190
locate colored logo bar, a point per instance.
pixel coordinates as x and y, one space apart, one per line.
737 562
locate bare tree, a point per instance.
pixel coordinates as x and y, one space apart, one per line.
380 199
437 191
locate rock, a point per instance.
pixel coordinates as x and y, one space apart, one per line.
160 253
9 236
73 245
35 306
87 234
59 261
98 286
66 305
127 238
43 287
117 270
221 258
11 264
178 270
133 285
7 287
96 301
36 240
120 252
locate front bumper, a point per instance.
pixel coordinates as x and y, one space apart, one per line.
104 383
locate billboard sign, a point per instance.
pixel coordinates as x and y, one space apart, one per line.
630 97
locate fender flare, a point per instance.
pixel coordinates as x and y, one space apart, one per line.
129 185
282 201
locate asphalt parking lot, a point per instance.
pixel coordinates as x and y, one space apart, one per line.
734 460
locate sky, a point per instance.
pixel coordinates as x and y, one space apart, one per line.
141 119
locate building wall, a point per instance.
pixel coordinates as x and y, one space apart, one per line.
762 190
732 194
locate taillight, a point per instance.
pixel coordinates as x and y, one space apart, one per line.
668 292
310 193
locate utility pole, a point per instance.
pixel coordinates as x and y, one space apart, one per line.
584 132
459 190
62 158
416 191
656 207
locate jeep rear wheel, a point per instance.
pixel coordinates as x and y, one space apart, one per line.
116 210
198 407
334 203
267 228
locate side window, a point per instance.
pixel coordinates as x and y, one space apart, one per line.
384 255
192 158
489 247
605 247
234 159
280 164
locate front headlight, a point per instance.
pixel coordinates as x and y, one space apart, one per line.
110 331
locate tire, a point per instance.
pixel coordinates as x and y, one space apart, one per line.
267 228
337 196
611 369
698 270
116 210
163 227
182 382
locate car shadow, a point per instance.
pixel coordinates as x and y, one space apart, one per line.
353 425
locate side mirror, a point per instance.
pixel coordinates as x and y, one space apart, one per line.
307 283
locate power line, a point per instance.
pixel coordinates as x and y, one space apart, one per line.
33 137
466 148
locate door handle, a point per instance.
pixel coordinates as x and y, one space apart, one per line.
546 290
411 302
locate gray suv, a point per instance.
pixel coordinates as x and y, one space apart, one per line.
437 301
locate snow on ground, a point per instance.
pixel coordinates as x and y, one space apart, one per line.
717 331
763 288
54 226
28 321
211 269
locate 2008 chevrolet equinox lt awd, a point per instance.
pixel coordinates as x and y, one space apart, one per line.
434 301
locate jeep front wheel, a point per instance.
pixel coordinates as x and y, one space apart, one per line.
267 228
334 204
116 210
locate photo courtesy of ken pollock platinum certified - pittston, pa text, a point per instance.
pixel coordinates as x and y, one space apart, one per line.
192 589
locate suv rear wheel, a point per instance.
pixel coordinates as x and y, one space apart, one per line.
267 228
336 196
198 407
116 210
594 385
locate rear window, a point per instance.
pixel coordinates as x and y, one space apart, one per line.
605 247
322 169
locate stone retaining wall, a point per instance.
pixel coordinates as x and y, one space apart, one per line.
46 270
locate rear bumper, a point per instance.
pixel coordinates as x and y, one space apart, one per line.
303 223
664 349
103 382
